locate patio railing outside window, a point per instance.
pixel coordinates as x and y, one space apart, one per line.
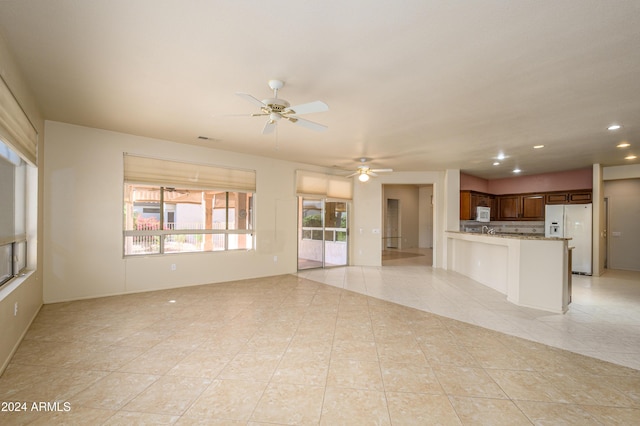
169 220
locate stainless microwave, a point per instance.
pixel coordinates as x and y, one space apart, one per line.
483 214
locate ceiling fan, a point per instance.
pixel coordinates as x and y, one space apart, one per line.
276 109
364 172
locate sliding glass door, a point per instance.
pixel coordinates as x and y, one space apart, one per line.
322 233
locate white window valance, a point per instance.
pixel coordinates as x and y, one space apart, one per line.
15 128
146 170
329 186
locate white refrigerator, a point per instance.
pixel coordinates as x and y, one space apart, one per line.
572 221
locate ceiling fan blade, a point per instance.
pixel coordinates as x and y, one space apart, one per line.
269 127
248 97
308 108
370 173
381 170
306 123
352 174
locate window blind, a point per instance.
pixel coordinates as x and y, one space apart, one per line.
15 127
146 170
330 186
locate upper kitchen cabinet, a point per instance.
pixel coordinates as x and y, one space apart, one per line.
569 197
521 207
508 207
469 200
532 207
518 206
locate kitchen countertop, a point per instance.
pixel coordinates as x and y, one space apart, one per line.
520 236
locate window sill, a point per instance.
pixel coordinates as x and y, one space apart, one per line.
16 282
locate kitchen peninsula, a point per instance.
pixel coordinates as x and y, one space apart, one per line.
532 271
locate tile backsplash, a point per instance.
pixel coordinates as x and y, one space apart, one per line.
504 227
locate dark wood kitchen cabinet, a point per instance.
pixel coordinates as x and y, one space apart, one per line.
469 200
521 207
518 206
508 207
583 196
580 197
532 207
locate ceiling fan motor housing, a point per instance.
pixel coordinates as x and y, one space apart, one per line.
275 104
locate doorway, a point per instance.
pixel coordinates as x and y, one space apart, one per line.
407 223
322 233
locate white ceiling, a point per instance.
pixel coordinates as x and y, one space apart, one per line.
412 84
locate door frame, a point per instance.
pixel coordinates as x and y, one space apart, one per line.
315 247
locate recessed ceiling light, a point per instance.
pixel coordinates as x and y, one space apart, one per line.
614 127
516 170
630 157
497 163
623 145
538 146
501 156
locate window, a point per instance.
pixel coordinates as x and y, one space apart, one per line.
160 219
316 188
13 213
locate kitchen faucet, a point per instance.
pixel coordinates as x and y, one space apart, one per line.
490 231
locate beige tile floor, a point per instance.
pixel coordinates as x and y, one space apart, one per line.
289 350
603 320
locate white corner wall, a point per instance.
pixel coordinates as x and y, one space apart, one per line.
83 185
425 221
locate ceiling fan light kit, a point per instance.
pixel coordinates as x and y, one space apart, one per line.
276 109
365 172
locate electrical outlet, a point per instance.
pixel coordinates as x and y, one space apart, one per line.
173 266
275 259
15 309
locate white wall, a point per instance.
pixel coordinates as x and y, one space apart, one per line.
621 172
425 219
598 253
83 218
